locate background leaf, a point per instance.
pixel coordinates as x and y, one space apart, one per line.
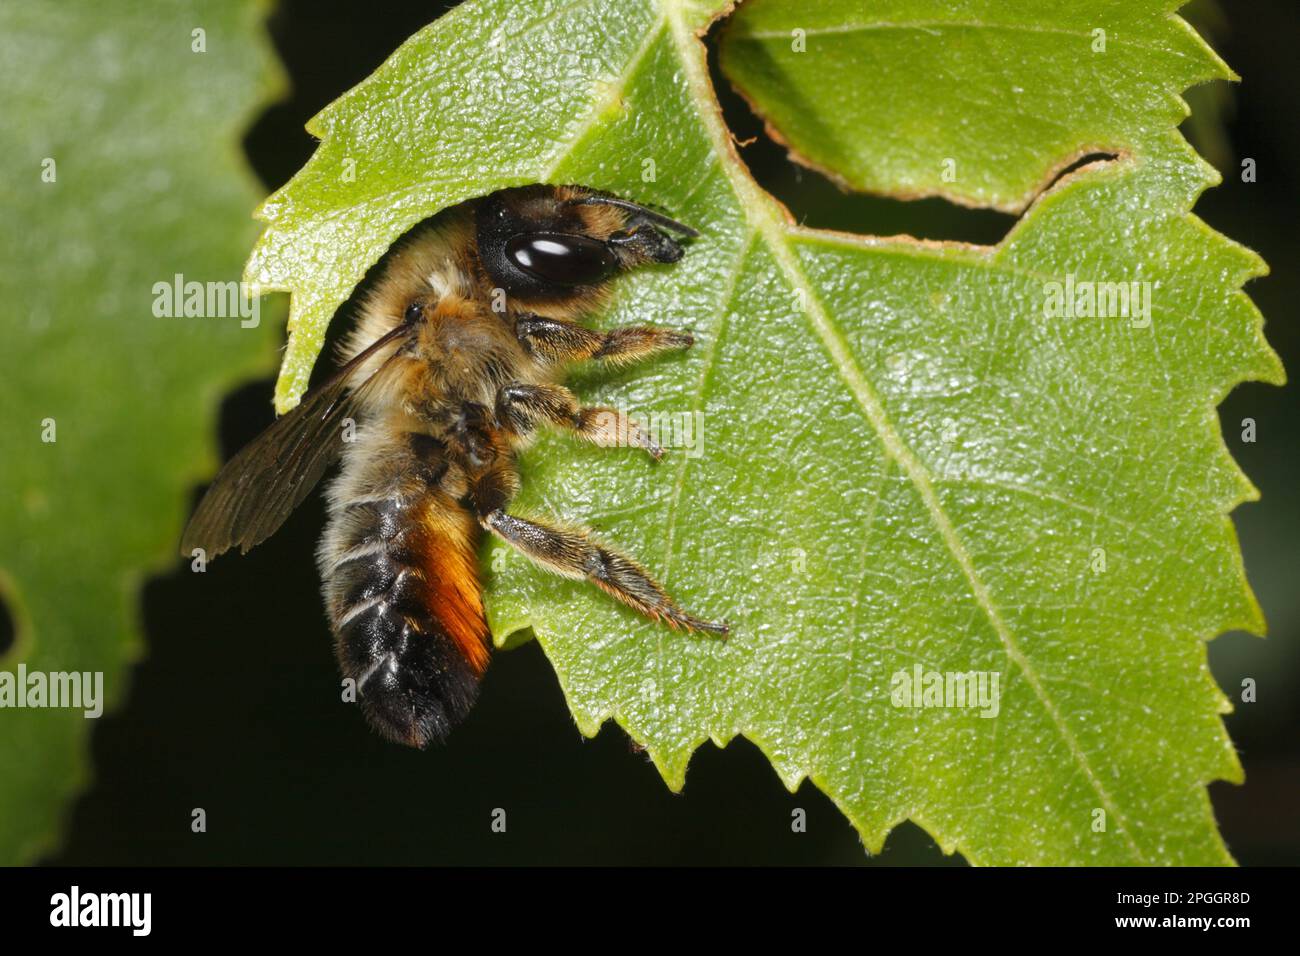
904 461
144 133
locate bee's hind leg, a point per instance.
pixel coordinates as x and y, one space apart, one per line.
572 553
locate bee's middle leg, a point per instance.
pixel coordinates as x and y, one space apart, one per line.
521 407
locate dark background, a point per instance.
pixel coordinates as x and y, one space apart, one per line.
235 710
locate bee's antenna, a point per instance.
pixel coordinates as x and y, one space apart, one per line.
655 217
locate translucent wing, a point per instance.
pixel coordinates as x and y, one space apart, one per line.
258 488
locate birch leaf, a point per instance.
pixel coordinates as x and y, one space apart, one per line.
121 169
892 459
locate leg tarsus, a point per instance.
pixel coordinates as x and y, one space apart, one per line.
558 341
633 342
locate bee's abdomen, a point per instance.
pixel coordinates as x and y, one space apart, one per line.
401 588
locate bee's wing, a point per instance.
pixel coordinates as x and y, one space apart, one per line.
257 489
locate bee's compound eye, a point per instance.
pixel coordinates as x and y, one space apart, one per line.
414 312
561 259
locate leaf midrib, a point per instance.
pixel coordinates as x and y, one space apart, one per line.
760 211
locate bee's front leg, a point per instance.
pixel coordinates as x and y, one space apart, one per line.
520 407
559 342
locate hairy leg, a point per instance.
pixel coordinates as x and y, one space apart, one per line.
572 553
556 341
521 407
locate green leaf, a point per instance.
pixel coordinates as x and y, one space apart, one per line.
148 182
883 96
904 462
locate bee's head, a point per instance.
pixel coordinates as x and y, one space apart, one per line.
543 243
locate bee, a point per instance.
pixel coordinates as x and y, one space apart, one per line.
454 362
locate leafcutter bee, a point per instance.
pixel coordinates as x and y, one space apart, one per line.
454 361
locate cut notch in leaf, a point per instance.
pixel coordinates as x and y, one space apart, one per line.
958 105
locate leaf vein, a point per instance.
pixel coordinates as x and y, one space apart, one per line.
776 236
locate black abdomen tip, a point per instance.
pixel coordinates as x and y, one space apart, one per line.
413 687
